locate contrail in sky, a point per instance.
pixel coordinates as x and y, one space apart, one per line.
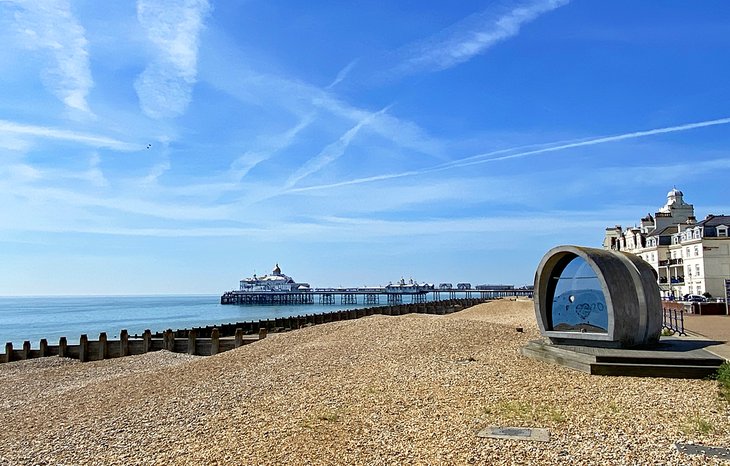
64 135
483 158
592 142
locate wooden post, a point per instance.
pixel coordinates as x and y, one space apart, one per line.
214 341
239 338
62 347
8 351
123 343
83 348
168 339
262 333
26 350
43 347
191 341
147 341
103 351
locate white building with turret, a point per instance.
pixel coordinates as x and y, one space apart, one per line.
276 281
690 257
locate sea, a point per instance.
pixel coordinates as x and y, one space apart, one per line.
33 318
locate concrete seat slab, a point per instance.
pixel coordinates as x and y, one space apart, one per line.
671 357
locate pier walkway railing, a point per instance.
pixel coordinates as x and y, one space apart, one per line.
211 340
367 295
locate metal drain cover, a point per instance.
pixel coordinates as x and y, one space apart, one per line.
710 452
515 433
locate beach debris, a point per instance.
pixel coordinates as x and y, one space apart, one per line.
468 360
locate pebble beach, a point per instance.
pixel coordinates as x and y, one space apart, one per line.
412 389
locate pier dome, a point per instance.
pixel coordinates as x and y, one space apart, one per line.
277 270
675 192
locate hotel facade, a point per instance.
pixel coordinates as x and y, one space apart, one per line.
689 257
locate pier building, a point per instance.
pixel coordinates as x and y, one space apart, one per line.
276 281
690 257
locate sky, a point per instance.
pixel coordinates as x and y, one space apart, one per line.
176 147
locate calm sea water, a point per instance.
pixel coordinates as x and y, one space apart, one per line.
33 318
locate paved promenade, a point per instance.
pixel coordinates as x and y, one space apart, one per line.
715 328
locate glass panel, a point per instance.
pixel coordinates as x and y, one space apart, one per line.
578 302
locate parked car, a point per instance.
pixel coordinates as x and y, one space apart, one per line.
695 298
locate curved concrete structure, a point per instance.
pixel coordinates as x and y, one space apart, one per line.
604 298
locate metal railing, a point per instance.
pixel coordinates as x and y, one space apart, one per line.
674 320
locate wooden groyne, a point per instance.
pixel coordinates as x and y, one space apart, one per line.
211 340
283 324
103 348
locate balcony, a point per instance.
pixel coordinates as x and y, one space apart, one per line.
671 262
678 280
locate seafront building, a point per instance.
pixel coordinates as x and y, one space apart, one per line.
276 281
689 257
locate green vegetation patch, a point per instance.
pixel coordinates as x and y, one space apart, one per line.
723 379
697 425
522 411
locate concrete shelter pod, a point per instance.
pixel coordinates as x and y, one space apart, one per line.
597 297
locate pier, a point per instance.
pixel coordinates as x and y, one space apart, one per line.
368 296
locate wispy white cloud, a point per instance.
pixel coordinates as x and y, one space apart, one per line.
313 229
472 36
20 130
294 97
22 173
50 26
173 27
95 174
58 198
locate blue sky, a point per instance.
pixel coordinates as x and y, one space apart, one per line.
178 146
